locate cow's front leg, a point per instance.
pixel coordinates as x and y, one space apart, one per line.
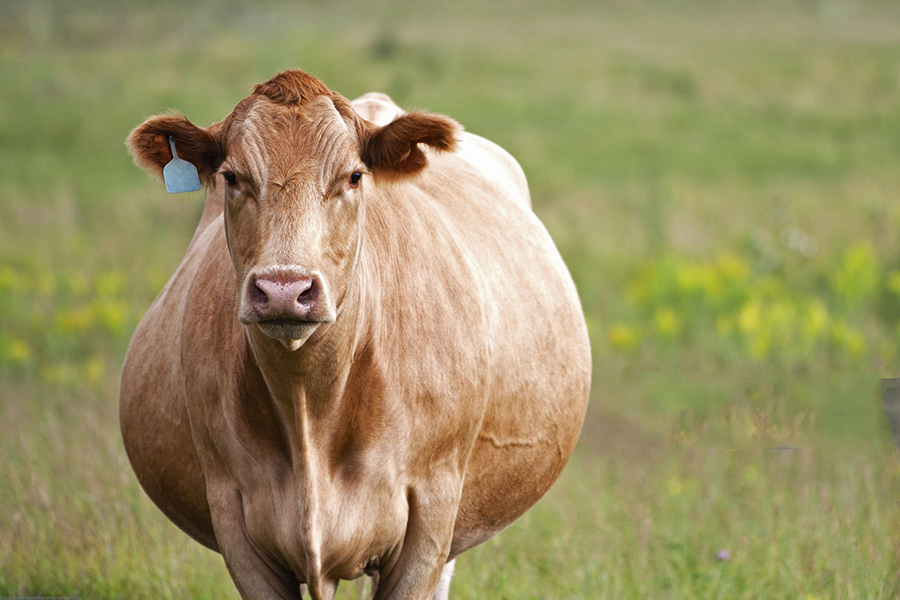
417 571
443 589
255 576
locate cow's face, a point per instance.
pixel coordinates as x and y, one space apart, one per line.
295 162
294 184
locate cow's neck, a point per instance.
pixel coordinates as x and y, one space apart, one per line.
309 382
319 368
306 388
307 385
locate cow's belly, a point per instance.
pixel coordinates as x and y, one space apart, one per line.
157 435
152 414
537 393
502 483
506 476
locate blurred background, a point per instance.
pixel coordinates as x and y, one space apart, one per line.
720 177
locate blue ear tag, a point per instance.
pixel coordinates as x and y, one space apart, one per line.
180 175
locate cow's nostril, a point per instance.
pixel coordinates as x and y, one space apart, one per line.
258 296
308 295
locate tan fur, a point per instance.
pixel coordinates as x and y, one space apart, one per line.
438 403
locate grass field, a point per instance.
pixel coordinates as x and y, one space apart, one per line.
721 179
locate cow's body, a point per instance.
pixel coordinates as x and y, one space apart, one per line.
440 404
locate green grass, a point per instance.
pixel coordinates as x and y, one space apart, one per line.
721 179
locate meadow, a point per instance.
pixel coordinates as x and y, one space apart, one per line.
721 178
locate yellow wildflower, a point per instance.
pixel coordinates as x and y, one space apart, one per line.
750 317
7 277
733 268
668 324
893 282
74 321
111 315
849 338
857 277
815 319
110 284
17 351
94 369
622 337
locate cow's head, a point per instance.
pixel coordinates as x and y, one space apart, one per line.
295 161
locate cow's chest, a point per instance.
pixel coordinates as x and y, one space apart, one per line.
316 493
343 526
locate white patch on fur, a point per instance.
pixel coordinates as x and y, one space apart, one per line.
443 589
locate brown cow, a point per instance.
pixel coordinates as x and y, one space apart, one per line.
372 357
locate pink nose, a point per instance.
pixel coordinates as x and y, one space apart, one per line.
282 296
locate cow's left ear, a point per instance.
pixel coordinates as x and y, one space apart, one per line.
149 145
392 151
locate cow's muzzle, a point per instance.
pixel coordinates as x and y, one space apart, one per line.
285 302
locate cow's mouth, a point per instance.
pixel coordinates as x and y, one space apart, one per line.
291 332
287 303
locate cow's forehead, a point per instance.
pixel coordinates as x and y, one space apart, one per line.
277 140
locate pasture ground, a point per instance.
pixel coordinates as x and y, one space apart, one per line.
721 179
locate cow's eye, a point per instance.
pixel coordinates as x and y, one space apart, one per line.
230 177
355 177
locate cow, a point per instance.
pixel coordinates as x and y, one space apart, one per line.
372 356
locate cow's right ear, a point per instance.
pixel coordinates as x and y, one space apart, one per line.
149 145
